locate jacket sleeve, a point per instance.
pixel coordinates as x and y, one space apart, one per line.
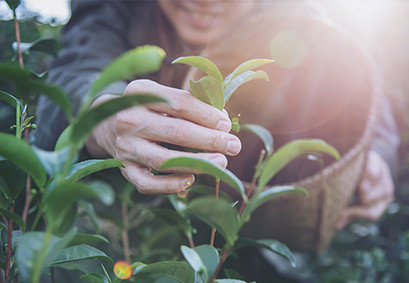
95 35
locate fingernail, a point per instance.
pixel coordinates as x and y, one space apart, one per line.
219 160
223 126
188 182
233 147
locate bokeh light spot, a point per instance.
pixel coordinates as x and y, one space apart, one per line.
122 270
288 48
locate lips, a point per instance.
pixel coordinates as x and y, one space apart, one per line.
201 16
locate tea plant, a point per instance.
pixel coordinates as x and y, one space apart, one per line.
221 214
44 237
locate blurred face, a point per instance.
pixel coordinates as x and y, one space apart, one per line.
199 22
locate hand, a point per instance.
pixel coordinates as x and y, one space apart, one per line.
375 192
133 136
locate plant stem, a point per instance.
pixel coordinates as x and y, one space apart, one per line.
40 260
191 243
249 193
222 260
216 196
9 241
17 30
125 237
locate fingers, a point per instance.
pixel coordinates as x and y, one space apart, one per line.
375 193
147 183
182 104
152 156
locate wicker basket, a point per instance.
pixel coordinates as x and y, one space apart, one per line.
307 224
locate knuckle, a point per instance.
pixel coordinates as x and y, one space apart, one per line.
157 160
140 86
177 133
215 142
179 100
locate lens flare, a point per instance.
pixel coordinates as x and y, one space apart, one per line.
183 193
122 270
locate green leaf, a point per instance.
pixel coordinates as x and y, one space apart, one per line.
13 4
94 278
209 257
246 66
241 79
90 211
64 139
175 218
262 133
193 259
269 244
87 167
52 161
20 153
180 271
272 193
11 215
31 245
141 60
209 168
65 194
229 281
83 127
219 214
289 152
80 239
203 64
10 99
12 179
45 44
24 80
80 252
208 90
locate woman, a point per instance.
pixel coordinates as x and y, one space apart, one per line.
227 32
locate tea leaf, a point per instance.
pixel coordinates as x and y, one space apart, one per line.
246 66
289 152
95 278
29 248
203 64
64 194
229 281
12 179
180 271
272 193
269 244
13 4
209 257
20 153
24 82
208 90
219 214
46 45
11 215
87 239
241 79
64 139
171 217
10 99
262 133
89 210
79 252
87 167
84 125
207 167
52 161
193 259
141 60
